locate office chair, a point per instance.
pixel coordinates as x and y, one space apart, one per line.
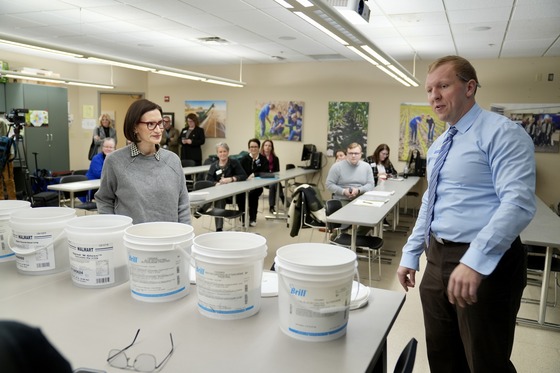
79 172
209 209
64 197
188 178
307 218
370 244
405 363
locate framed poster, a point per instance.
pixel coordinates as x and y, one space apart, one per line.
212 115
279 120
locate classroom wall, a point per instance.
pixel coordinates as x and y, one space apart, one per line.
503 81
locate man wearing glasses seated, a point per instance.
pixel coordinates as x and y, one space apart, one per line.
351 177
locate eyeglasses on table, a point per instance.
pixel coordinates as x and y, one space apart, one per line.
142 363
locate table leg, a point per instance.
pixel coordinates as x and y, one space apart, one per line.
544 285
72 199
353 239
541 321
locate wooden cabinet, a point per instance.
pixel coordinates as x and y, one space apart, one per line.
49 141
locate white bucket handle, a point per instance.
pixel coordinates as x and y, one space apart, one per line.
27 252
321 310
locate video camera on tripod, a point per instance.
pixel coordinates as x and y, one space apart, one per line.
16 118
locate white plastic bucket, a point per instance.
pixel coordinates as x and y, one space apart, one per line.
158 264
228 274
314 288
96 248
39 240
7 207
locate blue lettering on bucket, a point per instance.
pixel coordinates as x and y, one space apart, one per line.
133 259
158 295
229 312
320 334
200 270
298 292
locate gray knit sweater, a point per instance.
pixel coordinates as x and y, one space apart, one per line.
144 188
343 175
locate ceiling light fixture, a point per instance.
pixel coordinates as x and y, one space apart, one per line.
178 73
38 48
331 22
35 78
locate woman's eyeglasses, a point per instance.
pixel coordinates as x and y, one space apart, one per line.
142 362
152 125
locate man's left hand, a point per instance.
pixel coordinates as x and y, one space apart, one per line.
463 286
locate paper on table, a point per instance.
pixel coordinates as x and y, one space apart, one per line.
383 193
396 178
365 202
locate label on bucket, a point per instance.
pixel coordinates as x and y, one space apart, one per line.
226 289
316 312
37 260
156 275
92 264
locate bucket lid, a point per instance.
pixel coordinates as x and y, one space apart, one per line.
316 255
229 244
94 223
43 214
7 205
157 233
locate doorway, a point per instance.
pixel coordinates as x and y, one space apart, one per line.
116 104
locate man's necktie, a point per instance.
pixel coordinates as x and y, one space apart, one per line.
434 175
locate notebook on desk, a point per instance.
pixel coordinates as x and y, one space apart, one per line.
267 175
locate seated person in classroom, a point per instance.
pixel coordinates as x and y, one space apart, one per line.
267 150
96 165
253 163
224 171
349 178
380 164
340 155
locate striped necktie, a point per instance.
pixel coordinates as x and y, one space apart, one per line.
434 175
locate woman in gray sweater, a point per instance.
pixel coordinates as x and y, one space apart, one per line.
142 180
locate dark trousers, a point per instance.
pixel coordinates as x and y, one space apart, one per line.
253 203
272 194
477 338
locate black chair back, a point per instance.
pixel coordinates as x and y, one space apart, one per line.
188 163
72 179
405 364
331 206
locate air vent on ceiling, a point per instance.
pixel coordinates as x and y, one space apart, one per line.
216 40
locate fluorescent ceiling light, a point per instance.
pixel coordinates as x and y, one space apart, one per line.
375 55
320 27
363 55
120 64
42 49
305 3
213 81
183 74
18 75
284 4
332 22
179 75
386 71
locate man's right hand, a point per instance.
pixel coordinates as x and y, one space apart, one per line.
406 277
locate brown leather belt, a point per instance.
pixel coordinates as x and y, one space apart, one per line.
443 242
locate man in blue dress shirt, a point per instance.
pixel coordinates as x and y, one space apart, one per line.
476 265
